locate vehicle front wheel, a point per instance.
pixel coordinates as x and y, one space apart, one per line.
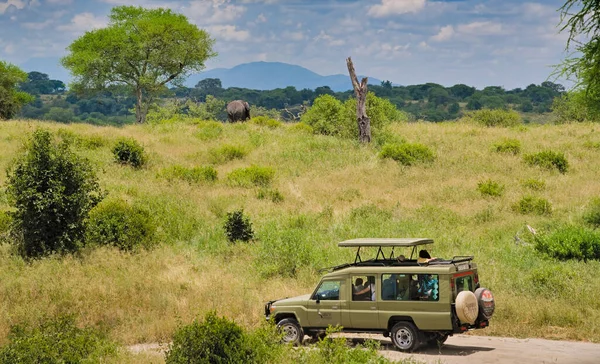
405 336
291 330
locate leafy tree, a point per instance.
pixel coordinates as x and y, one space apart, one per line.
11 99
210 85
39 83
144 49
52 191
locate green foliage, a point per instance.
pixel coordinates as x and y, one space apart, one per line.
227 153
208 130
190 175
407 154
495 117
534 184
548 159
143 49
531 205
11 99
270 194
238 227
60 115
56 341
490 188
573 107
251 176
119 224
258 111
52 190
570 242
592 213
508 146
211 109
381 112
265 121
129 151
302 127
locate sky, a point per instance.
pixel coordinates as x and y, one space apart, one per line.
509 43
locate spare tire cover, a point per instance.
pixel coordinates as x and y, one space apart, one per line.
486 302
467 308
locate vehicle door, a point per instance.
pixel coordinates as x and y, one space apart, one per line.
363 306
325 305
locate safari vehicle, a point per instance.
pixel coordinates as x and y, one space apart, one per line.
413 303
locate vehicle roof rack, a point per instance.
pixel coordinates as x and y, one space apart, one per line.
384 242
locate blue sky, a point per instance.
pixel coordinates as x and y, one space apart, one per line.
509 43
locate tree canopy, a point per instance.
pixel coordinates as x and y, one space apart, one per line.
11 99
143 49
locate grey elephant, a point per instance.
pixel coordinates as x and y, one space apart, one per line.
238 110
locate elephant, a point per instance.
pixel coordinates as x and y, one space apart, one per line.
238 110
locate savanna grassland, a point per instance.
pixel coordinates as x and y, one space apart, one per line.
325 190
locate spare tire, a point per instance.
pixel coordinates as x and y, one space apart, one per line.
467 308
485 300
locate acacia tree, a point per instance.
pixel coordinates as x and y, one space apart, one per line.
11 99
143 49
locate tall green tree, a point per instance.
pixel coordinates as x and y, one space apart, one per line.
11 99
143 49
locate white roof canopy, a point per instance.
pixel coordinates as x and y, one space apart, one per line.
385 242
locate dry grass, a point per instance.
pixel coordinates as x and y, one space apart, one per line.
343 190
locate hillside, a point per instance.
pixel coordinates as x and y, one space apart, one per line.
331 190
272 75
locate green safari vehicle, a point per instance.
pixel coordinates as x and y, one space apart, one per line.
413 300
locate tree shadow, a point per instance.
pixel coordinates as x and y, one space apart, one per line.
446 349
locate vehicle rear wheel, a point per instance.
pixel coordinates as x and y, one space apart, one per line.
405 336
291 330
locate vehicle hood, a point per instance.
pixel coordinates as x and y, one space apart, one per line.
291 300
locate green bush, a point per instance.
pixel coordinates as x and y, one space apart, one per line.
227 153
266 121
534 184
116 223
495 117
238 227
575 106
208 130
269 194
407 154
129 151
251 176
549 160
326 116
56 341
381 112
592 213
490 188
52 190
531 205
302 128
570 242
508 146
190 175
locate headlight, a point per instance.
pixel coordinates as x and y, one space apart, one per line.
272 308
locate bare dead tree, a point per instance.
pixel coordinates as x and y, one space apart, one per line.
295 116
360 90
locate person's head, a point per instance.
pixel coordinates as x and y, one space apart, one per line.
359 281
424 254
401 258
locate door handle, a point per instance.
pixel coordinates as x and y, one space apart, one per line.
334 307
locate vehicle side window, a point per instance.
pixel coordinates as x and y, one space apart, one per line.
410 287
464 284
328 291
363 288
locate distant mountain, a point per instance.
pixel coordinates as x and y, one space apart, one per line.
272 75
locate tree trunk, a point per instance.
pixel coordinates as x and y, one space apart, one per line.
140 110
360 90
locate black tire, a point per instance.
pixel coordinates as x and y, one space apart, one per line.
291 330
437 341
318 336
405 336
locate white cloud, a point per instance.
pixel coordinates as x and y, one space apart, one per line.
9 48
295 36
331 41
59 2
83 22
214 11
481 28
19 4
261 18
444 34
37 26
229 33
396 7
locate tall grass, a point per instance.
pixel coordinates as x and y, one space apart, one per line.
334 190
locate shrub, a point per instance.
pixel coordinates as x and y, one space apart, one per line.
575 106
592 213
208 130
548 160
534 184
302 128
407 154
190 175
326 116
56 341
495 117
490 188
238 227
52 190
116 223
273 195
381 112
265 121
570 242
533 205
227 153
129 151
508 146
251 176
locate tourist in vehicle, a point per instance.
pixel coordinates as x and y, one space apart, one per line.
358 286
424 257
369 287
